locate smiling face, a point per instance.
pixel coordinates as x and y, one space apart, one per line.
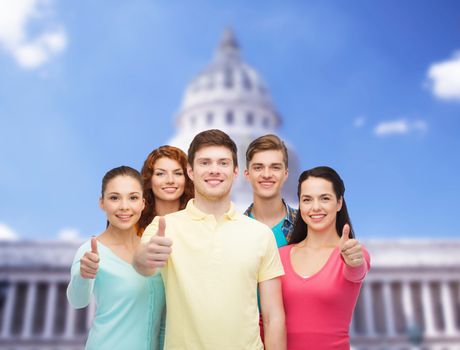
122 202
213 173
168 180
267 173
319 205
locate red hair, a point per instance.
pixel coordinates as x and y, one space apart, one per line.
170 152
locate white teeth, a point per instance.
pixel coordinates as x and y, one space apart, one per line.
317 216
170 189
213 181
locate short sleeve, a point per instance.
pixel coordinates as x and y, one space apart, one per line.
270 266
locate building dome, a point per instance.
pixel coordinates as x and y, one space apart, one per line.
224 83
230 95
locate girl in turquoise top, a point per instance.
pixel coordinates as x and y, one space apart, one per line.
130 310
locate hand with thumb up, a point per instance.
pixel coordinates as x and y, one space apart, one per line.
350 248
157 250
89 263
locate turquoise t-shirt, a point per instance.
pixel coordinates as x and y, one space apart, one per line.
279 235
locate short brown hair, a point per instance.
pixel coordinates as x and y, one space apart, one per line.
267 142
212 137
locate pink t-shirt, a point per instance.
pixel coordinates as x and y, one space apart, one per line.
319 308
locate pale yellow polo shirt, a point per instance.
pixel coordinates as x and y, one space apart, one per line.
211 279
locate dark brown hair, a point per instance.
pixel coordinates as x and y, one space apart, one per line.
212 137
300 230
119 171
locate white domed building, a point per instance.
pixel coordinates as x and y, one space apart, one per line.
231 96
409 300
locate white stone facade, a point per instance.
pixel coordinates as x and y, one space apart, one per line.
413 289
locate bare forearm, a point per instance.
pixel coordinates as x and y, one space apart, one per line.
275 333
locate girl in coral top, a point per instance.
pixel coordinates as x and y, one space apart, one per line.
324 266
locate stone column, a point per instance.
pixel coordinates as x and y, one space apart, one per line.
407 304
428 309
352 329
389 311
50 310
7 320
31 296
447 309
368 309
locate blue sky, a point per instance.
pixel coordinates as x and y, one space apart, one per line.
371 88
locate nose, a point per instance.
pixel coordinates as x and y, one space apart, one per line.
214 168
169 178
315 204
124 203
266 172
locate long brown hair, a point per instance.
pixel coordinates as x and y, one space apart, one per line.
170 152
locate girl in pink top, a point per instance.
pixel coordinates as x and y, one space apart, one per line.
324 266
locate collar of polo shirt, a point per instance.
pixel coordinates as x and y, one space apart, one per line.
197 214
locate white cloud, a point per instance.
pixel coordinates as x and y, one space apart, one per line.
69 234
444 78
400 127
7 233
30 51
359 122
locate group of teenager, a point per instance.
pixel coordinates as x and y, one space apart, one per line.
178 267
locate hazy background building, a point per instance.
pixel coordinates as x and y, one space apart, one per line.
411 298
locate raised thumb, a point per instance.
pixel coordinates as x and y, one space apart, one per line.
345 233
94 245
161 227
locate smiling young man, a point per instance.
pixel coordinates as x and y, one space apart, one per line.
213 259
267 170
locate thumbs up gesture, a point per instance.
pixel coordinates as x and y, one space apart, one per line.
159 247
350 248
89 263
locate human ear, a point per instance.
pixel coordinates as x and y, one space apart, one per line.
190 171
339 204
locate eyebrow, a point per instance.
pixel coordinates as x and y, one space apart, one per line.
207 158
322 194
154 169
271 164
137 192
